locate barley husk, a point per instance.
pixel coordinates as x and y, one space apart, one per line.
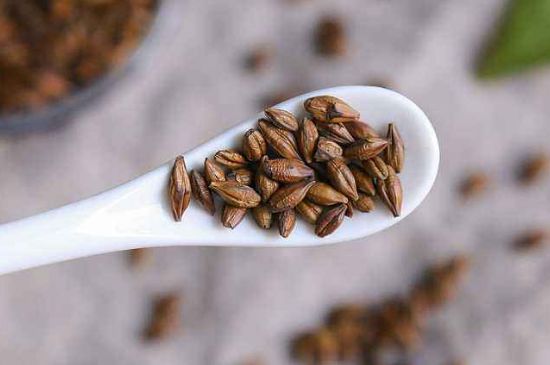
236 194
347 322
280 140
242 176
376 168
474 184
398 326
285 170
330 220
336 132
363 181
327 150
533 168
179 190
254 145
319 347
307 139
264 185
213 171
230 159
201 192
330 37
391 192
365 149
419 301
166 317
361 130
282 119
349 209
232 216
286 221
309 211
324 194
341 178
531 239
345 313
318 106
289 196
263 216
258 58
440 282
364 203
140 257
327 108
395 153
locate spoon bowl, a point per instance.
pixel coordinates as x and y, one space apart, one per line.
137 214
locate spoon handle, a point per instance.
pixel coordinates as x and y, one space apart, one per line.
109 221
48 237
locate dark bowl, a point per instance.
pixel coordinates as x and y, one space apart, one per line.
57 113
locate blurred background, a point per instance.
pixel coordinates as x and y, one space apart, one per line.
207 65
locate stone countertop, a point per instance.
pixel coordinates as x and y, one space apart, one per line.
241 303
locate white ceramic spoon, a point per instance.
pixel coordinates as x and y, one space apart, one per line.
137 213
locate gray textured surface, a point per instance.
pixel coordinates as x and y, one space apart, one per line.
246 302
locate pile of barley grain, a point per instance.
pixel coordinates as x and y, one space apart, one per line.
322 168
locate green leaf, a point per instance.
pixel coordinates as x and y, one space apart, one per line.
522 40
